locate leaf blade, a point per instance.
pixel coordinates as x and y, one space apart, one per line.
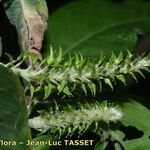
13 115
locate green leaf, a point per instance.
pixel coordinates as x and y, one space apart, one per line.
138 144
138 116
30 19
92 26
13 112
100 146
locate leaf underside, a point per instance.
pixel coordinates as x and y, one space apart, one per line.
30 19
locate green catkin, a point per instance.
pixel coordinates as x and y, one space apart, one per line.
54 74
70 119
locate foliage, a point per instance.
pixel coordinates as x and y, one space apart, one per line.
99 25
130 119
13 114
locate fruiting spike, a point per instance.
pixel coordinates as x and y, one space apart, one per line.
69 120
79 72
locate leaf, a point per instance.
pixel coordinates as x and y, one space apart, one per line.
91 27
13 111
138 144
30 19
100 146
138 116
